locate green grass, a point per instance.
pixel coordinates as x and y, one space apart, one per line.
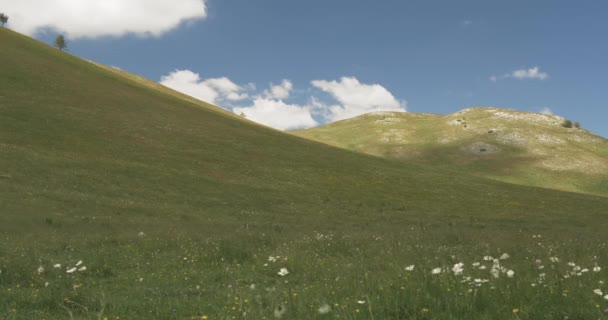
533 149
174 206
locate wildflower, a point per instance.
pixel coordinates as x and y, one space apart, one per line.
504 256
554 259
482 267
475 264
510 273
425 310
487 258
71 270
83 268
515 310
141 234
458 268
324 309
598 292
40 270
357 310
57 266
572 264
495 273
597 269
79 263
272 259
46 284
283 272
280 311
409 268
252 286
361 301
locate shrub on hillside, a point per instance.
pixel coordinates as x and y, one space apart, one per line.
567 124
3 18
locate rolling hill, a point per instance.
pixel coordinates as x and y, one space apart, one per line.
519 147
122 199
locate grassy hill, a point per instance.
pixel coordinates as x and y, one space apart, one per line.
121 199
519 147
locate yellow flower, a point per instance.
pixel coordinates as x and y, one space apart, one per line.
425 310
357 310
515 310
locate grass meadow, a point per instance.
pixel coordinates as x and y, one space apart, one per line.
426 271
123 200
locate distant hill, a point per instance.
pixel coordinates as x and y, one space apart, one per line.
519 147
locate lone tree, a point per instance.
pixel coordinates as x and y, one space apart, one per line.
60 42
567 123
3 18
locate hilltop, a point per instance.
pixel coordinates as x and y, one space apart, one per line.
122 199
519 147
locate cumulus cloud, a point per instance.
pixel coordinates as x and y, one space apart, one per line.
94 18
532 73
547 111
357 98
272 106
280 91
521 74
211 90
278 114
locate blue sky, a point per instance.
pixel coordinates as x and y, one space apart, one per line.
344 57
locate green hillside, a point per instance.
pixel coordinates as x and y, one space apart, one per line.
519 147
120 199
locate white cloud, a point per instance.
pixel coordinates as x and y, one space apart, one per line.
357 98
532 73
280 91
270 107
94 18
211 90
547 111
521 74
467 23
278 114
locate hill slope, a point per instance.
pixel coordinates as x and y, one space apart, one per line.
519 147
174 207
